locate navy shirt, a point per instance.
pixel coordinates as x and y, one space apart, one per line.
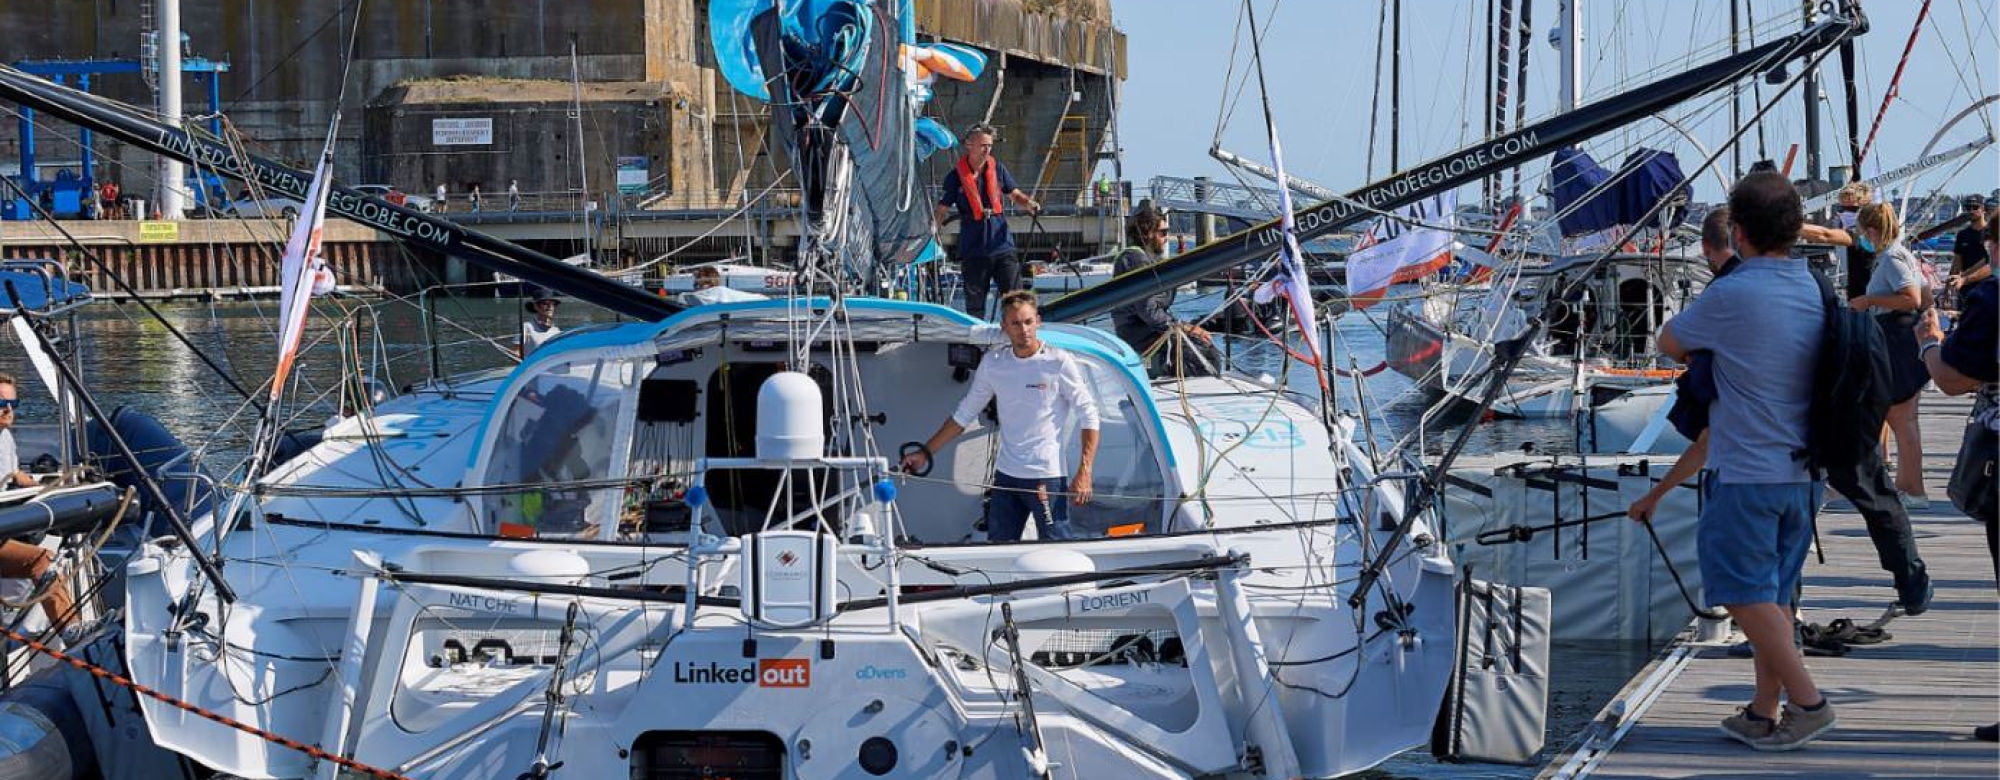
1967 250
977 238
1973 347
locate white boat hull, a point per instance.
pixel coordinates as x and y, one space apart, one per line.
1131 675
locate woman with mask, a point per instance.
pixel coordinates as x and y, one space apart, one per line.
1896 294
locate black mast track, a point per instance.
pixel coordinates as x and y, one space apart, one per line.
1450 171
124 124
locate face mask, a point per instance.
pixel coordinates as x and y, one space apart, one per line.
1861 240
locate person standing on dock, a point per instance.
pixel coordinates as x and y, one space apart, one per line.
473 198
1860 262
1966 361
438 202
108 197
974 189
513 195
1971 260
1895 292
19 558
1865 483
1968 246
1035 388
1756 521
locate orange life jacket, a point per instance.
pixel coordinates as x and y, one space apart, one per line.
974 193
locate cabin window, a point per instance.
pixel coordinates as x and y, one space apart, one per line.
1128 478
558 432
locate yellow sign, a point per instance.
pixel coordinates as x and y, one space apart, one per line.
159 231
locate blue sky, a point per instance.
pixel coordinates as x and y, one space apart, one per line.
1320 59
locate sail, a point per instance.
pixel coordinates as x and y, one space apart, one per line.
1397 251
1592 199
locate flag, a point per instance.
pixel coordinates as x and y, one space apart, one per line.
1478 266
304 271
1291 280
1397 251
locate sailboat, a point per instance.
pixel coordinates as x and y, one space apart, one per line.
679 543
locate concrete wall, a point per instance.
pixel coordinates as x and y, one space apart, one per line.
533 141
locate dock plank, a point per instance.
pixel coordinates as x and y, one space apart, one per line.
1907 707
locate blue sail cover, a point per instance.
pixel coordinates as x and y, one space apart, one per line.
833 71
1647 176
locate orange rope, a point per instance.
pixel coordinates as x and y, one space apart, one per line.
102 673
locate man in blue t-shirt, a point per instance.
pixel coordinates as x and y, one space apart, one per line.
1764 323
974 189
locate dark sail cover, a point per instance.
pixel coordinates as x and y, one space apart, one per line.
1602 199
890 201
843 111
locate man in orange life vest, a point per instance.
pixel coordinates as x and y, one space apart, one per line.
974 188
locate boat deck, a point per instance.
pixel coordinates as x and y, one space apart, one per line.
1907 706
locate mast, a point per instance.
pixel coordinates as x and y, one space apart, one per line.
1571 45
1853 105
1493 107
582 165
173 173
1375 101
1735 89
1756 87
1499 58
424 230
1810 93
1395 88
1522 43
1450 171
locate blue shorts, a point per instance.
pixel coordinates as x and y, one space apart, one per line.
1752 541
1015 499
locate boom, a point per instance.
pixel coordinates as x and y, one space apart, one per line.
1454 170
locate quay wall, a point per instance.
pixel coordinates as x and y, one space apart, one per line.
1055 63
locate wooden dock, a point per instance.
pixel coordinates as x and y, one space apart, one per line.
1907 706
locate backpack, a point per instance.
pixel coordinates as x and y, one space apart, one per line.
1851 388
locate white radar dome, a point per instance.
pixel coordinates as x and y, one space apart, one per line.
789 418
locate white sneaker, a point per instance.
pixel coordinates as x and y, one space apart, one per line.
1914 503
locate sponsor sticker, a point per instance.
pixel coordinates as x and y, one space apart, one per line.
784 673
873 672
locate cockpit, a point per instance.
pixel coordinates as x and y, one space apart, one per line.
601 433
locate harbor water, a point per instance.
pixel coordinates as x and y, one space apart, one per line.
130 359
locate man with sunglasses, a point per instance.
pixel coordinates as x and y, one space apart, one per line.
975 189
1145 322
19 558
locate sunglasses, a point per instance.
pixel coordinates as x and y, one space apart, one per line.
8 404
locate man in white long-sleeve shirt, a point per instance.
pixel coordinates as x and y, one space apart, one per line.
1037 387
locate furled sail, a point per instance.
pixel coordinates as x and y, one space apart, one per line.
845 83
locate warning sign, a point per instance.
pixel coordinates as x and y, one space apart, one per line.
161 231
